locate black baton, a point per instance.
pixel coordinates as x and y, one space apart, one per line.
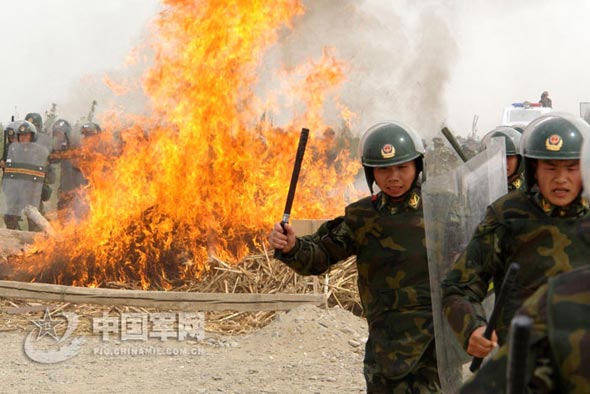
293 185
453 141
507 285
520 333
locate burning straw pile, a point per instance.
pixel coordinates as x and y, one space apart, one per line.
204 174
255 274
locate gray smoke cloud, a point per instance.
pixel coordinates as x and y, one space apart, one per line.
398 56
422 63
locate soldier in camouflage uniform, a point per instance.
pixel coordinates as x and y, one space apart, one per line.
514 163
540 229
559 345
386 233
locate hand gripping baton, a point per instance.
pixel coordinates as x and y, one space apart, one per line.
293 185
507 285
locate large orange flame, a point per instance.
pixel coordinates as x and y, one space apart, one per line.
207 173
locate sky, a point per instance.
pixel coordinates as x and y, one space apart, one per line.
425 63
51 47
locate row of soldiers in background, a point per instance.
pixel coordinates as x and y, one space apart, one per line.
29 156
442 159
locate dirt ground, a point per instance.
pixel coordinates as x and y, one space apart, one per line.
305 350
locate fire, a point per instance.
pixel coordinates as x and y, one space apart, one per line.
207 172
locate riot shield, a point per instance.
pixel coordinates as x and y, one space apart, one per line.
45 140
23 178
454 204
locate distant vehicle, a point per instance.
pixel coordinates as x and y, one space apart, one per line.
521 114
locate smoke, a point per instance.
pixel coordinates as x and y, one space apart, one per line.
116 90
398 56
58 51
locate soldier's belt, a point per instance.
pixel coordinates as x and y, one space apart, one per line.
24 171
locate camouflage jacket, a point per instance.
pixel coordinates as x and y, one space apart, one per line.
387 238
559 349
524 228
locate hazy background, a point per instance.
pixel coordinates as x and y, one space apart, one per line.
424 64
57 51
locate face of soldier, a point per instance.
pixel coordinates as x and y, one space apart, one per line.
25 138
395 180
560 181
511 165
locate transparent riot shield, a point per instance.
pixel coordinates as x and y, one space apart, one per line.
23 177
454 203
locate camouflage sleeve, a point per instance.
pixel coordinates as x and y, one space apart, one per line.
315 254
540 374
467 282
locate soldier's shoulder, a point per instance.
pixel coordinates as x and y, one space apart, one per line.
574 281
363 203
356 211
515 202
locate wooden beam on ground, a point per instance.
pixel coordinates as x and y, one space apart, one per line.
176 300
14 241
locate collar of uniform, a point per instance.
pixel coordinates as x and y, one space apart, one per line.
577 208
411 200
515 183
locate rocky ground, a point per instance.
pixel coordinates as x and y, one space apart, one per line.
306 350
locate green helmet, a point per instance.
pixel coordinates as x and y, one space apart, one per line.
35 119
389 143
511 139
26 127
62 125
555 136
585 164
90 128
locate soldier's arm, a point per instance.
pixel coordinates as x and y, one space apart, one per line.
540 375
315 254
467 282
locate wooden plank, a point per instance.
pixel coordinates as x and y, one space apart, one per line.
158 299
